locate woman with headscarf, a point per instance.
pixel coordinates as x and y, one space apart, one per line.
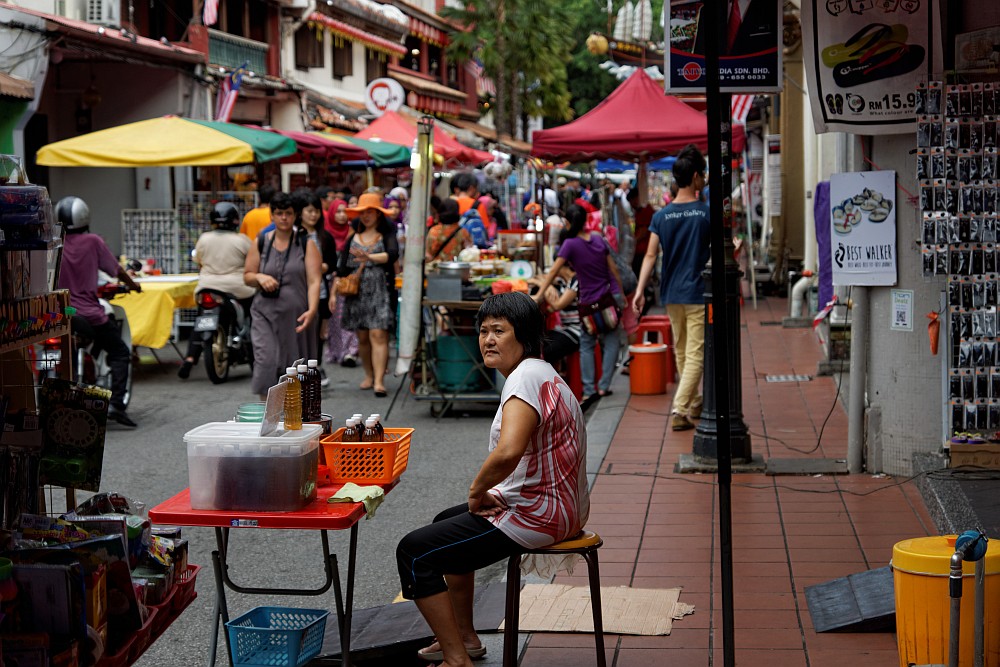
341 343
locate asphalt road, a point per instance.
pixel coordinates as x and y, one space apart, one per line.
149 463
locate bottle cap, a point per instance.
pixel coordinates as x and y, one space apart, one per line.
369 423
302 368
357 415
349 423
291 370
313 363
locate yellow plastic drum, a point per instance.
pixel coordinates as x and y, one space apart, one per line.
920 569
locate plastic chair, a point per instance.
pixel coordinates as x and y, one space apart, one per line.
571 368
585 543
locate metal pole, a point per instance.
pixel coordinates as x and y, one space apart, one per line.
720 205
979 629
859 371
955 625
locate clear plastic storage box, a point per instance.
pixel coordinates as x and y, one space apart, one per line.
230 467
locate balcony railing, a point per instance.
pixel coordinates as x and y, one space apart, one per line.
231 51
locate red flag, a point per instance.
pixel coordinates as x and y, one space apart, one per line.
229 90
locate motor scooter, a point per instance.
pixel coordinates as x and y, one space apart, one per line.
224 329
90 362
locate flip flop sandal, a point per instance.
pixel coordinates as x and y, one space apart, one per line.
894 62
477 653
874 36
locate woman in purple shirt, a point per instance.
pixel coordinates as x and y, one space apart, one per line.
588 253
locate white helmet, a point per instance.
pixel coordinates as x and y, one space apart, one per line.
73 213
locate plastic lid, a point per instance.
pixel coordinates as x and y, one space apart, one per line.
357 415
932 555
291 370
313 363
647 348
349 422
369 423
302 368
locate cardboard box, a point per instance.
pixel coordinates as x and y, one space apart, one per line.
983 455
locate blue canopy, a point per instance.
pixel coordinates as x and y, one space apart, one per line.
663 164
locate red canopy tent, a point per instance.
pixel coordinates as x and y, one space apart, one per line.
636 122
394 128
311 144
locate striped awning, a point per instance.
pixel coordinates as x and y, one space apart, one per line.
428 33
373 42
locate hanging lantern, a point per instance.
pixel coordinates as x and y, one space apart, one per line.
597 44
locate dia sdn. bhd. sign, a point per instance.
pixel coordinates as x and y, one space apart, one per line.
384 95
749 55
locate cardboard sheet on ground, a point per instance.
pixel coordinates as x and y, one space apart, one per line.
627 611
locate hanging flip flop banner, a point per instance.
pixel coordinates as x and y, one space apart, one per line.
864 59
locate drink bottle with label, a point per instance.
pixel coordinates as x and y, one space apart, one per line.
315 408
293 400
350 432
371 433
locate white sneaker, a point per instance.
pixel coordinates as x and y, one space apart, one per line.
324 381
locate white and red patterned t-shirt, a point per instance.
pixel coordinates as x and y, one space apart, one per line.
547 493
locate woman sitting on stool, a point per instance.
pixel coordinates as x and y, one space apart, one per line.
529 493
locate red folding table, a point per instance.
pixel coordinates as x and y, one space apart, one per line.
319 515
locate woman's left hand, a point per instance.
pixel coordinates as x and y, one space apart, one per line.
304 320
359 254
486 505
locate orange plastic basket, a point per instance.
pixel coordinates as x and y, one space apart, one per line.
367 462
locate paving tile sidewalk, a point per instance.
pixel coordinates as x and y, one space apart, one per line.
790 532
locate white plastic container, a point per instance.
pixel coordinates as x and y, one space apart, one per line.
230 467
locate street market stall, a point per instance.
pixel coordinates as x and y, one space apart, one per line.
395 128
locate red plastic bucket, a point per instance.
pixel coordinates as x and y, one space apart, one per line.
647 373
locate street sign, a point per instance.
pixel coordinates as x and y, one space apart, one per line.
749 59
383 95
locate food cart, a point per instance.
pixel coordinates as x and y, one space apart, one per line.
449 366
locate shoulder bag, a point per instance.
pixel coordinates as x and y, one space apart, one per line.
600 317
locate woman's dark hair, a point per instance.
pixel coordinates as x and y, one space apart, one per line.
282 200
383 226
448 212
577 218
523 314
305 198
689 162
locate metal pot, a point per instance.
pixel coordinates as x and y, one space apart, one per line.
461 270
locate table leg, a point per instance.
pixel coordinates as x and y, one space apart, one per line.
345 635
220 565
333 573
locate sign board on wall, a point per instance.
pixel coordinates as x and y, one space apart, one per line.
383 95
864 59
749 58
863 228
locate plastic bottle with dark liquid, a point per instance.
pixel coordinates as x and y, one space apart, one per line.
378 425
315 380
350 432
371 433
302 372
293 400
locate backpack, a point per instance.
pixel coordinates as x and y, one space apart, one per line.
472 222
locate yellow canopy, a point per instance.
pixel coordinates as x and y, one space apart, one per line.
167 141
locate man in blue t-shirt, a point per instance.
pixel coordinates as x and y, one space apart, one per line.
682 229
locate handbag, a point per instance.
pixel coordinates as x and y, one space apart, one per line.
350 284
600 317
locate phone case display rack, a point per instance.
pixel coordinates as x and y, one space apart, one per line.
152 233
957 138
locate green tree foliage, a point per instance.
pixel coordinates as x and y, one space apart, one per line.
524 46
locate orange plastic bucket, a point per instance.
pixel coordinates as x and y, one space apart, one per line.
647 373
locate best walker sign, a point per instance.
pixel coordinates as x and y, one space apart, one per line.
863 228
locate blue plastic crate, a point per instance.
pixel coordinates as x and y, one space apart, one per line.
277 636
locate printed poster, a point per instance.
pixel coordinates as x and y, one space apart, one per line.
863 228
749 59
864 59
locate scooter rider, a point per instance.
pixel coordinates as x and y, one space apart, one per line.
221 254
83 254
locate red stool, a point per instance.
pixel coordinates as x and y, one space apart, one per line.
659 325
574 378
